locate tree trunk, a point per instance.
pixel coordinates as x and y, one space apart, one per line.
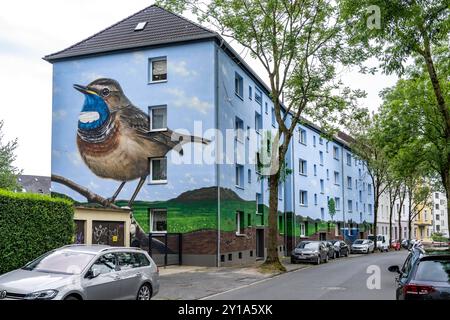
447 194
391 213
375 218
272 243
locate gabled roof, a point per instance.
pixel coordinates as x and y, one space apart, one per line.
34 184
161 27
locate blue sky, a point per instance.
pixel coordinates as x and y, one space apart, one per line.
30 30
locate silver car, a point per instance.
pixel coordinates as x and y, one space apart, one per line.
79 272
362 246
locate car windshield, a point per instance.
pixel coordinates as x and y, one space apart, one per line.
66 262
433 270
359 242
308 245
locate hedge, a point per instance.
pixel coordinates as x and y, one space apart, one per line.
30 225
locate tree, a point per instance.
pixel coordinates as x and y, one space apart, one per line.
331 207
368 146
299 44
412 30
8 172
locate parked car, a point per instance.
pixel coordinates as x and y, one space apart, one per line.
362 246
310 251
395 245
79 272
341 248
424 275
331 251
382 242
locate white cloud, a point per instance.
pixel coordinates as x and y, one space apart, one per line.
181 100
93 185
180 68
75 158
88 77
59 115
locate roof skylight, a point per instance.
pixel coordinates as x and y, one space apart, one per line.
140 26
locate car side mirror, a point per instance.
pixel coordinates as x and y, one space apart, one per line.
394 269
93 273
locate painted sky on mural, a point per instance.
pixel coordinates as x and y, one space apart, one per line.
31 29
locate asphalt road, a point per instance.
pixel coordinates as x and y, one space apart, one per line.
344 278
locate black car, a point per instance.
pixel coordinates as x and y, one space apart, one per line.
310 251
332 254
425 275
341 248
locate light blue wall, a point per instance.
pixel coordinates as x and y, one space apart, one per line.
188 94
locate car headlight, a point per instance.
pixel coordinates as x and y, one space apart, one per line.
41 295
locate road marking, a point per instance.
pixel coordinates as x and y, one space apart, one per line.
254 283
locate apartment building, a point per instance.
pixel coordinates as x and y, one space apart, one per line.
206 185
440 214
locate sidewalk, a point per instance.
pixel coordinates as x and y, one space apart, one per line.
190 283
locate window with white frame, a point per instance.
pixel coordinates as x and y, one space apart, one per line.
239 222
337 202
322 186
303 198
238 85
158 69
320 140
321 158
335 152
158 170
258 96
302 136
158 220
302 167
239 176
350 205
328 174
349 182
158 118
250 92
302 229
336 178
266 107
239 127
315 170
369 207
315 199
349 159
249 176
314 141
274 119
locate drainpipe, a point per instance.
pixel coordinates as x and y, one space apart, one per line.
343 188
216 98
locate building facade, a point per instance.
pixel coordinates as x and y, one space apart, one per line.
440 214
185 81
400 230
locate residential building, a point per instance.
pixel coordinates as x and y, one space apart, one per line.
185 78
400 230
440 214
34 184
423 223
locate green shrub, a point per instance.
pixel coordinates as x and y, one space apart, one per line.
31 225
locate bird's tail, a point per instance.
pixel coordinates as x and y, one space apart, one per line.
183 139
196 139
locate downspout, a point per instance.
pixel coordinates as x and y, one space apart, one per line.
343 188
294 208
216 97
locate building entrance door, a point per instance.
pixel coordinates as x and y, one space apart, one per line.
260 243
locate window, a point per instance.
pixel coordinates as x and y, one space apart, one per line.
326 147
249 176
356 207
315 170
238 85
274 120
335 152
320 141
158 170
437 206
322 213
258 122
302 136
239 127
314 141
337 202
321 158
258 96
140 26
250 92
239 176
336 178
369 188
364 208
303 199
438 217
369 207
349 159
350 205
436 195
302 229
438 228
239 222
315 199
302 167
105 264
158 220
322 187
158 69
158 118
349 182
359 172
328 174
360 196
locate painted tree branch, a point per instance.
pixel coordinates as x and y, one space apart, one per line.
89 195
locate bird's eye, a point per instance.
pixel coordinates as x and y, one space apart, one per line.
105 92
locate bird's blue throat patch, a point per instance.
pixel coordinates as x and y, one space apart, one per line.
94 114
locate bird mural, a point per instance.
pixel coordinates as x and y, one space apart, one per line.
114 137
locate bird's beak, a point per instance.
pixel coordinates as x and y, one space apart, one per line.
83 89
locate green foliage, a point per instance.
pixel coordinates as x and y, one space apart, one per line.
438 237
31 225
331 207
8 173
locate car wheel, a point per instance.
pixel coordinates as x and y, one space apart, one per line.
292 261
346 253
145 292
338 254
71 297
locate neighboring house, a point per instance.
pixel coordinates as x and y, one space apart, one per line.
398 232
423 223
34 184
440 214
188 79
